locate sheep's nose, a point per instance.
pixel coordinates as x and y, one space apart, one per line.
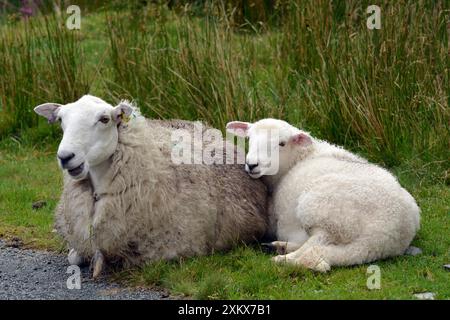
251 166
65 157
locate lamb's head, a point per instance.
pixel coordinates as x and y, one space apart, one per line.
274 145
90 132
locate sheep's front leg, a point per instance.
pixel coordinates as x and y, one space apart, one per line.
74 258
97 264
282 247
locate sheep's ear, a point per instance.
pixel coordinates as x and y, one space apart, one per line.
48 110
122 112
239 128
301 139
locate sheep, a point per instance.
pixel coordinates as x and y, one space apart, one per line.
124 202
331 207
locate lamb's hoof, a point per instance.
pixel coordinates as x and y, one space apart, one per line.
278 247
313 259
97 264
322 266
74 258
281 259
314 262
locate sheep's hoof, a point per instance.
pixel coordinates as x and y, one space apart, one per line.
97 264
74 258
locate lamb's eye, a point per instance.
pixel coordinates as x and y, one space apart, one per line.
104 120
282 144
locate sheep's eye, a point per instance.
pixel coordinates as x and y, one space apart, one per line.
282 144
104 120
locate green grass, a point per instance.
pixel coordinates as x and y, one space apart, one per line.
382 93
247 273
26 176
29 174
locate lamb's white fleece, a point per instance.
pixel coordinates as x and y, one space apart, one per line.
335 208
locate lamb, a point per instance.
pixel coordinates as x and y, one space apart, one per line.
330 207
124 201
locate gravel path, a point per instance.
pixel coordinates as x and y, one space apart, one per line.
30 274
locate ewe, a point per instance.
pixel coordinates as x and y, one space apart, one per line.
332 208
125 201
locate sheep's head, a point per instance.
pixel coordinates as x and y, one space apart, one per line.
90 127
274 145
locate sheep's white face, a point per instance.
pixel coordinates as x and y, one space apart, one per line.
90 132
273 145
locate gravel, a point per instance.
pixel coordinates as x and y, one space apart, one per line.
37 275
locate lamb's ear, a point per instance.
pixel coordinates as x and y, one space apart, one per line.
122 112
301 139
48 110
239 128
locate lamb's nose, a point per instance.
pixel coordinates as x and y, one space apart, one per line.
251 166
65 157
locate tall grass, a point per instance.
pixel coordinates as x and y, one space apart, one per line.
313 63
188 68
385 91
40 61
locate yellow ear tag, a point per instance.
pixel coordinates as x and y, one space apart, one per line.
124 117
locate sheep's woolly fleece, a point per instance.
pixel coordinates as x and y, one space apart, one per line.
153 209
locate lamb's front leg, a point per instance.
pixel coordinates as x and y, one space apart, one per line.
282 247
310 255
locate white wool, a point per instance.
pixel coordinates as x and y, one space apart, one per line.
333 207
125 201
